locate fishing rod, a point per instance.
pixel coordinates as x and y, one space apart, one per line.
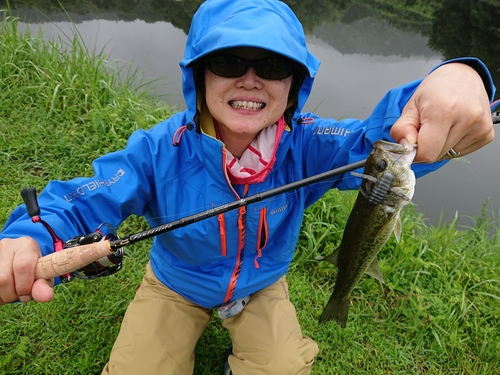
99 254
495 111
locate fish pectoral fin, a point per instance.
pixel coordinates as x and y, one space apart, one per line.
374 271
332 258
398 228
382 230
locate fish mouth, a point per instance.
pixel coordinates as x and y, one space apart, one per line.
246 104
396 152
397 148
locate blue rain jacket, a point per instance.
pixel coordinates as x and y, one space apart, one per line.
237 253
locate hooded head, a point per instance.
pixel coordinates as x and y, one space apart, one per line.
265 24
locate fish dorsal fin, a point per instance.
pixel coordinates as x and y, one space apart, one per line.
374 271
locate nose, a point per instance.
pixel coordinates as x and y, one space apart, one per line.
250 78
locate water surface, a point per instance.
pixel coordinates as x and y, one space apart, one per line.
365 50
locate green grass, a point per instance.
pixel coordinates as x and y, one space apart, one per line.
62 105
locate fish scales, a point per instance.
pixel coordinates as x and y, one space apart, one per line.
387 186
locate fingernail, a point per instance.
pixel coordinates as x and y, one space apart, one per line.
24 298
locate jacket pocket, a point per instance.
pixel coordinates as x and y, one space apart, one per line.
262 235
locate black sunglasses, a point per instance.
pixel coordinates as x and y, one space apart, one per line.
231 66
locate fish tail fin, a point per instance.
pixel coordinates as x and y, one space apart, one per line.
374 271
332 258
336 309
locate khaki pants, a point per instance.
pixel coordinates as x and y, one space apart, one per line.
161 328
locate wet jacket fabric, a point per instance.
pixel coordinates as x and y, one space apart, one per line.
175 169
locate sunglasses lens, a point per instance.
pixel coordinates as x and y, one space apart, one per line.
233 66
227 66
273 68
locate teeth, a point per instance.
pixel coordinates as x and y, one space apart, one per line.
243 104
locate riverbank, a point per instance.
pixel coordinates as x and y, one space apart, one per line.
61 106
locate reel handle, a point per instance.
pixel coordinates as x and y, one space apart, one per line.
71 259
29 197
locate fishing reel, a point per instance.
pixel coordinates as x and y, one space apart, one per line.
104 266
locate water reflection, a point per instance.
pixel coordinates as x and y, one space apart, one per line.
365 48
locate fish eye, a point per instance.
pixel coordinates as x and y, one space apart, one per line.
381 165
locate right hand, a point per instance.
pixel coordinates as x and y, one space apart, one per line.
449 109
18 261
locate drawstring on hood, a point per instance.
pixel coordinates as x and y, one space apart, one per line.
179 132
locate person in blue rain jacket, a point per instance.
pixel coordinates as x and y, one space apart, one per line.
247 73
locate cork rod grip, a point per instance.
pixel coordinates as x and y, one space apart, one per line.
70 259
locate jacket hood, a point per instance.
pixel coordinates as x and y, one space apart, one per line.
266 24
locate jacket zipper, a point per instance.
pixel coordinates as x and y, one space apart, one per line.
241 247
222 233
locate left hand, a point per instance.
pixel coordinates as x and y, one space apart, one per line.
449 109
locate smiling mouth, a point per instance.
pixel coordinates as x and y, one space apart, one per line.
243 104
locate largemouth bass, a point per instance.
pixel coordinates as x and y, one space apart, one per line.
388 185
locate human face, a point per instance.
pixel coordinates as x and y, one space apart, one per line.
245 105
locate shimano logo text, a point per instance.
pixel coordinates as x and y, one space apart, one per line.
343 132
279 209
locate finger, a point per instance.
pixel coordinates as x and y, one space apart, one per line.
23 267
408 125
7 290
474 137
420 123
439 133
467 146
42 290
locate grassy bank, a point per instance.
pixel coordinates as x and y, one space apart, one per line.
60 107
